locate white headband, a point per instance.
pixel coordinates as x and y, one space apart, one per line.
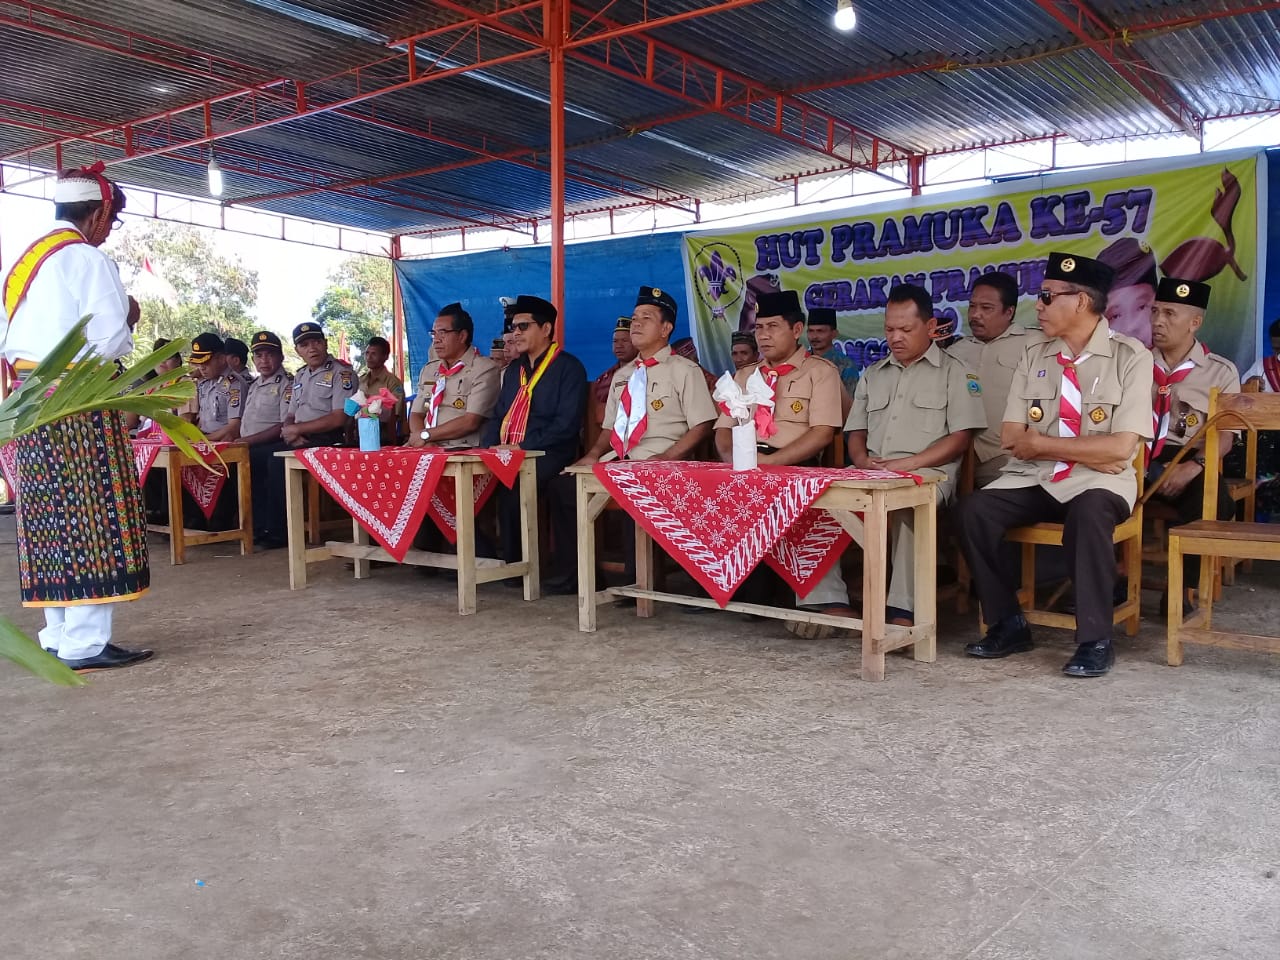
75 191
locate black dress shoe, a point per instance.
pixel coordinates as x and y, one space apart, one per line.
1091 660
1188 608
111 656
1010 635
559 588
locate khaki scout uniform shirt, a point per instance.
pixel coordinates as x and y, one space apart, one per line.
1190 407
1115 392
994 363
474 389
220 400
266 403
676 402
317 393
808 396
905 409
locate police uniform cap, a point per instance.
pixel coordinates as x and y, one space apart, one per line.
1190 292
263 339
204 347
1086 272
541 310
822 316
657 297
778 304
307 331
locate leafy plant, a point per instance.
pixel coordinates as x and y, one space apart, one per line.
63 386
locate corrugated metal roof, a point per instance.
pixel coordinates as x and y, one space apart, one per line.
1011 71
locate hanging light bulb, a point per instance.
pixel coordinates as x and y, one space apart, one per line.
215 177
846 17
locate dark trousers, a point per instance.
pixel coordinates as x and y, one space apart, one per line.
558 493
1190 507
266 473
1089 522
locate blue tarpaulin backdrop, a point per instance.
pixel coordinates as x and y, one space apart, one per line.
601 280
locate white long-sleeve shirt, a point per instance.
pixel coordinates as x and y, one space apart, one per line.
78 279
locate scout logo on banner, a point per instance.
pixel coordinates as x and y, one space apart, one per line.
1198 221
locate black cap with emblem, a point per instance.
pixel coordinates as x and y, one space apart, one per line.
307 331
204 347
1188 292
263 340
658 298
623 325
1070 268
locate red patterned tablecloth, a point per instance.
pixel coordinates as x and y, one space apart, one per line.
390 491
205 486
719 523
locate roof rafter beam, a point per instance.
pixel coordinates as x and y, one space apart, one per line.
1087 26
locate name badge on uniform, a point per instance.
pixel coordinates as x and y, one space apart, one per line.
1097 414
1036 413
459 404
326 380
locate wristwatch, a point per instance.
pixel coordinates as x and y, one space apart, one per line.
425 435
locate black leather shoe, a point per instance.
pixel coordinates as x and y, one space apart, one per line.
1188 608
1091 660
558 588
1010 635
111 656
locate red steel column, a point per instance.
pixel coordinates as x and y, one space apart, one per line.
555 29
397 314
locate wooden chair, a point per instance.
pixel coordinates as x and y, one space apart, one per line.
1128 535
1244 491
1212 539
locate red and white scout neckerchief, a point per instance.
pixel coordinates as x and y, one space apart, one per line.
1068 409
632 418
765 427
443 373
1165 381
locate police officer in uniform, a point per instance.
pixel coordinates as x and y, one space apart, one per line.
914 411
1079 405
1185 371
658 407
220 390
992 350
806 417
457 391
266 403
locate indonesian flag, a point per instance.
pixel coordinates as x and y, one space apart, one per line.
149 285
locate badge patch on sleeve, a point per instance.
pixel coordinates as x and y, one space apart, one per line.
347 379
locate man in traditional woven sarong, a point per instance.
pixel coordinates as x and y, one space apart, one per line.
82 536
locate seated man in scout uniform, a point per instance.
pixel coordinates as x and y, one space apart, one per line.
315 418
220 390
458 391
992 350
659 407
1185 371
1079 405
623 351
743 350
805 419
914 411
540 407
377 376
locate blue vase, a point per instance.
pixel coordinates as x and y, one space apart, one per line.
370 433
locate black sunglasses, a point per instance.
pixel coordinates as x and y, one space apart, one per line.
1046 296
524 325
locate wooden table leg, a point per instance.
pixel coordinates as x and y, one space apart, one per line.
644 570
360 568
586 557
926 599
244 492
296 524
875 549
173 479
466 512
529 529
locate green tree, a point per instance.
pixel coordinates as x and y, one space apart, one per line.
209 291
357 301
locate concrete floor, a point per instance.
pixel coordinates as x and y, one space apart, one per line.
355 772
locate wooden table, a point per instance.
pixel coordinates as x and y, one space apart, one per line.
844 499
472 570
172 461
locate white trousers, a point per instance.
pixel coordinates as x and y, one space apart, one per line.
830 589
79 632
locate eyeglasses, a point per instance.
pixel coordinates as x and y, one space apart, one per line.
441 333
1046 296
523 325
